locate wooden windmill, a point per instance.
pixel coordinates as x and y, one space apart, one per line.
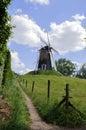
46 60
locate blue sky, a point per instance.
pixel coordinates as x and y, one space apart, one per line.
65 22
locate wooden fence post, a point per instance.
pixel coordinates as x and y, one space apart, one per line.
26 83
23 81
67 95
33 86
48 94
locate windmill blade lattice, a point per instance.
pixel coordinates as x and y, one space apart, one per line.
43 41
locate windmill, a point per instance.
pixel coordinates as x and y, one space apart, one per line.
46 60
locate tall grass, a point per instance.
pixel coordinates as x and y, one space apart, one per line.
19 119
49 110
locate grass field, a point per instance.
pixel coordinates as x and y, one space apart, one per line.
49 109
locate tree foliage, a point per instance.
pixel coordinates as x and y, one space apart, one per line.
66 67
82 72
5 27
7 67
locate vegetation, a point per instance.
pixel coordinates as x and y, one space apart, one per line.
82 72
5 28
45 72
13 112
66 67
18 116
48 109
7 67
5 32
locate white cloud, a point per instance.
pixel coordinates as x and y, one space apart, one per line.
24 71
79 17
67 36
17 65
64 37
26 32
46 2
15 61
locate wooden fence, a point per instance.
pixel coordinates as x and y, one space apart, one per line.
66 98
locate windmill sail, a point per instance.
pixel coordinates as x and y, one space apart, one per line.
53 62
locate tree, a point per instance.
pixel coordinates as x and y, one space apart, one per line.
66 67
5 27
82 72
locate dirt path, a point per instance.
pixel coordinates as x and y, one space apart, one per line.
37 123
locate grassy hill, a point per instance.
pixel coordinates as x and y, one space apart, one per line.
48 109
45 72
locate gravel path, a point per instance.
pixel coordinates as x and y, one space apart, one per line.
37 123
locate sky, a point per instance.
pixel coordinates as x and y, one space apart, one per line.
63 20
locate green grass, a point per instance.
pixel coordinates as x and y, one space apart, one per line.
49 110
20 118
45 72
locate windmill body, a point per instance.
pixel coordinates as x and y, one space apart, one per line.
44 62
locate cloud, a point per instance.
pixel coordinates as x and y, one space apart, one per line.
17 65
24 71
26 32
67 36
64 37
46 2
78 17
15 61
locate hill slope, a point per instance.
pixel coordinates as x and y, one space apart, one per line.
45 72
49 108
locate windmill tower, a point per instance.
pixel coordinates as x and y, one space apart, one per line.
46 60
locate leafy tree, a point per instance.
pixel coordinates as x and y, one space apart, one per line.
82 72
66 67
5 27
